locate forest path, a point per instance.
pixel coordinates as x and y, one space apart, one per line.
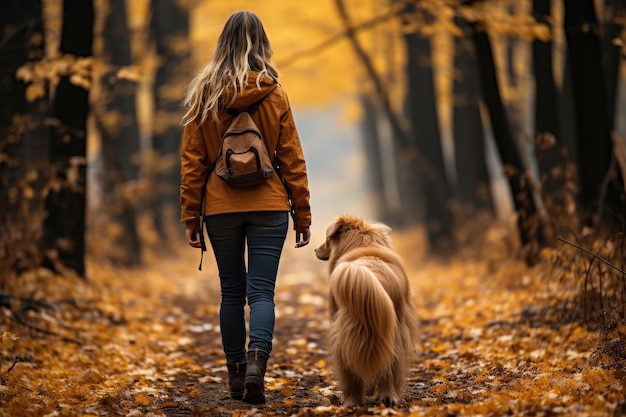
147 342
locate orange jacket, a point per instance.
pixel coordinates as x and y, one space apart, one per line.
201 143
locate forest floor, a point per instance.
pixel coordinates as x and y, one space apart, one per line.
497 339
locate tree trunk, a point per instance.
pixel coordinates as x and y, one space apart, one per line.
472 175
120 141
528 220
23 140
546 116
556 171
567 118
64 227
170 30
409 163
374 157
611 47
422 112
591 109
514 106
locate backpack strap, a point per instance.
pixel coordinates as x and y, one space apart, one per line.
292 209
202 216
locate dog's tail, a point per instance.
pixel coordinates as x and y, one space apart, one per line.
366 322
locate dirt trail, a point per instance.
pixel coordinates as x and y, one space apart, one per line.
297 378
490 346
149 344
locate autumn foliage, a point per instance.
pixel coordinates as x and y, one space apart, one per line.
497 338
496 158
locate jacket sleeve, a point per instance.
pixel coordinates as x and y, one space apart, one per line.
293 168
194 170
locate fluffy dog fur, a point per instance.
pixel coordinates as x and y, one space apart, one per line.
373 322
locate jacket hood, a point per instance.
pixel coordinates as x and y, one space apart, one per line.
252 92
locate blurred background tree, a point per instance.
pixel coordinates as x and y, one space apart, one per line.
170 32
24 161
63 240
115 116
443 116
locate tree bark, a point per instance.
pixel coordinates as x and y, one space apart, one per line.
23 140
528 220
409 162
422 114
556 171
374 157
546 115
567 118
591 109
170 31
614 11
472 175
120 140
64 228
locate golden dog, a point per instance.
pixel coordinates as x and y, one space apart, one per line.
374 325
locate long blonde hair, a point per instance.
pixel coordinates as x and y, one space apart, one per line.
243 46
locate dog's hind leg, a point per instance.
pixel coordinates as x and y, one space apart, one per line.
387 390
352 386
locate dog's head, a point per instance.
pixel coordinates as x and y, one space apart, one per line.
348 232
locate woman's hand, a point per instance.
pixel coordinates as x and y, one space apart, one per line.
303 236
192 233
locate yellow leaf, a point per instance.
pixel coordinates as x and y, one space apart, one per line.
31 176
28 192
210 379
542 32
131 73
142 399
35 91
548 253
277 383
80 81
6 336
24 73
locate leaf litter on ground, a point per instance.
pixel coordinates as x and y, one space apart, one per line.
496 340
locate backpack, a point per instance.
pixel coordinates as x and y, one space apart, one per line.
243 159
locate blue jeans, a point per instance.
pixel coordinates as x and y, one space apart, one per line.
265 233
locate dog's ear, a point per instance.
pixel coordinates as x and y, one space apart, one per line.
334 229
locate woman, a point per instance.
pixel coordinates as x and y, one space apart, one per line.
239 74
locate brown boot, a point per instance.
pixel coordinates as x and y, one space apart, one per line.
236 378
255 372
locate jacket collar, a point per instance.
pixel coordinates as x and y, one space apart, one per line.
252 92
